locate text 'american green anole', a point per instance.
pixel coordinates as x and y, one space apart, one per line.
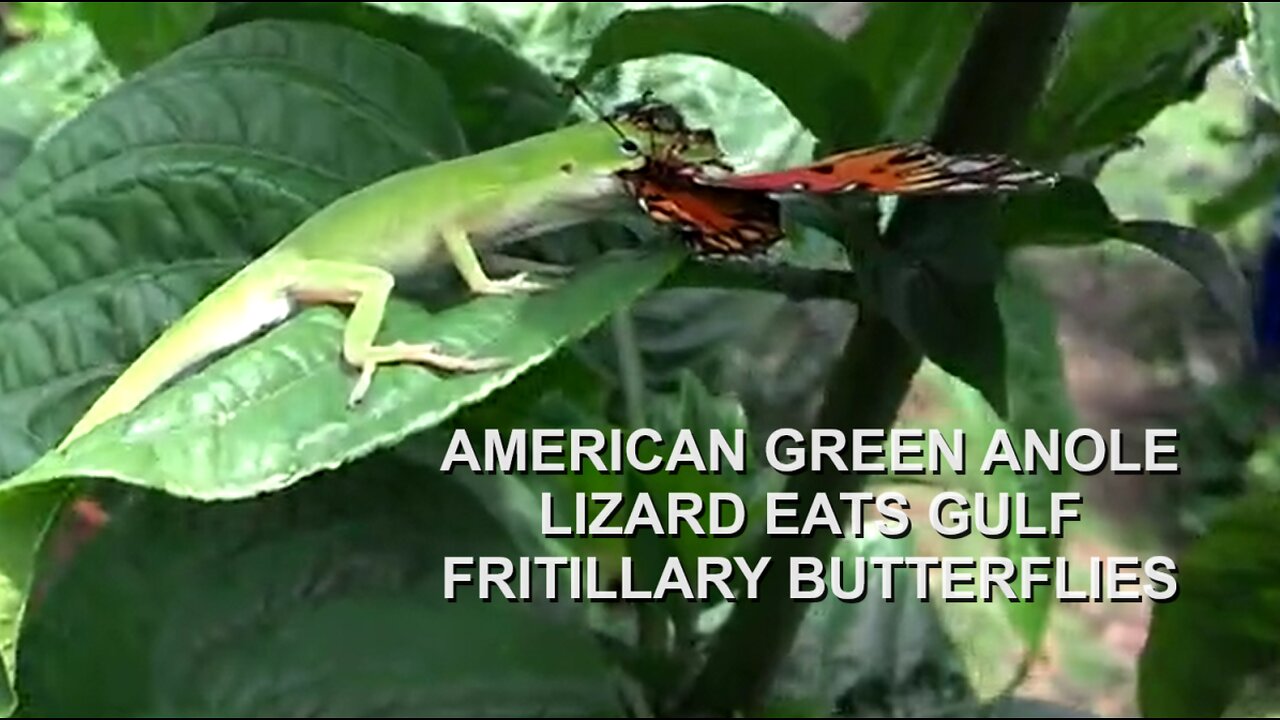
352 251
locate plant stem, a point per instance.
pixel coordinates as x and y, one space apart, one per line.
996 89
651 621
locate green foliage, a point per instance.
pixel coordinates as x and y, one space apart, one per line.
803 66
47 80
1263 49
1223 625
299 398
910 54
169 178
496 96
237 124
326 599
136 34
956 324
1252 190
40 19
24 522
193 191
1038 401
1075 213
874 658
1122 65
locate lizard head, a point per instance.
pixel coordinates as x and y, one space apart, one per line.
658 130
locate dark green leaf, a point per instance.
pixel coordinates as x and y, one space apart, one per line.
909 53
806 68
137 34
1123 63
1038 400
1205 259
497 96
1071 213
1225 622
162 189
140 204
954 237
323 601
956 325
14 148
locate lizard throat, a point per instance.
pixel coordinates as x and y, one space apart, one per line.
589 198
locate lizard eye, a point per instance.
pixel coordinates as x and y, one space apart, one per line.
629 147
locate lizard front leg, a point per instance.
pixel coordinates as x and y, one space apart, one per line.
367 289
468 264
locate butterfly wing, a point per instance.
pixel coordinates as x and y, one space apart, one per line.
896 169
712 220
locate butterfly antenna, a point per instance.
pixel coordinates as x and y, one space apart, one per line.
577 90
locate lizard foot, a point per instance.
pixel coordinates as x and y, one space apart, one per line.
425 354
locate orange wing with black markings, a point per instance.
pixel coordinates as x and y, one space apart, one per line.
712 220
896 169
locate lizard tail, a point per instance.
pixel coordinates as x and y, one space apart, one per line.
218 322
157 365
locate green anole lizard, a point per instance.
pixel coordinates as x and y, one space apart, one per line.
352 251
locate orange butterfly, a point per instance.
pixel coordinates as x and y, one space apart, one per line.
894 169
712 220
736 215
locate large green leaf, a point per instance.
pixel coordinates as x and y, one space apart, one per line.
498 97
158 191
956 325
136 34
1123 63
1225 622
909 53
14 148
281 403
807 69
141 204
1038 400
327 600
750 122
1073 212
